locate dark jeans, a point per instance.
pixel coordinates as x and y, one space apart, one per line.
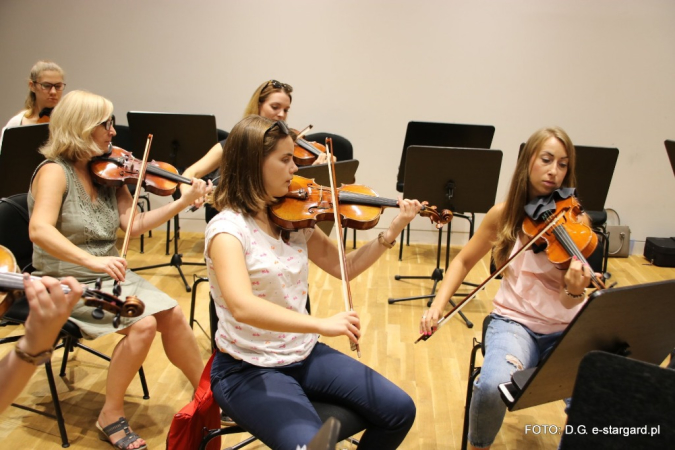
273 404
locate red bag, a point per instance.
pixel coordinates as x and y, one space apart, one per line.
190 425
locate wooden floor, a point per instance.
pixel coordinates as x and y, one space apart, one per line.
434 373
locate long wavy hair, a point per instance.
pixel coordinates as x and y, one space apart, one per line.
241 186
72 123
514 208
263 92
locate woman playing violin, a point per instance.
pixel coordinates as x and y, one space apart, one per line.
73 227
270 364
272 100
536 300
45 88
49 310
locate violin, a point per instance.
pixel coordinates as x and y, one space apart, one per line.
359 206
11 288
570 238
118 167
44 115
305 152
561 230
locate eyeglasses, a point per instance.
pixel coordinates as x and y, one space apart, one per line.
108 124
279 85
282 127
49 86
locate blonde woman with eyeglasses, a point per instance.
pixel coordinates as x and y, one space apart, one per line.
73 226
45 88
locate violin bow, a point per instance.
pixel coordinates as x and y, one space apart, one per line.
137 193
346 291
117 289
553 221
302 134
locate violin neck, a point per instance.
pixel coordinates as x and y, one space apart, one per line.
307 146
366 200
154 170
14 281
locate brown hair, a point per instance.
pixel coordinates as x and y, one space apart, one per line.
514 208
241 186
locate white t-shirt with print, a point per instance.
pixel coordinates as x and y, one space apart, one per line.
278 273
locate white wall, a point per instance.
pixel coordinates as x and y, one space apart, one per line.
603 70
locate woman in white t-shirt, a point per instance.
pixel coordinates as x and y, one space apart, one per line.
270 364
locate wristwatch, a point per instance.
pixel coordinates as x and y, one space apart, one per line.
36 360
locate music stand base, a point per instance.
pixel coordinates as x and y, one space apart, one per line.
177 262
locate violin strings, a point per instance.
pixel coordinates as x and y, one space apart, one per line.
568 243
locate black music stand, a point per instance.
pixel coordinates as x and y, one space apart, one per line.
439 134
19 157
670 149
180 140
634 321
345 173
458 179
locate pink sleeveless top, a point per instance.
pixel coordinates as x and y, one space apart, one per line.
530 293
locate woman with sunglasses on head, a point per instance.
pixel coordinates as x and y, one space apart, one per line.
271 100
536 300
73 226
270 364
45 88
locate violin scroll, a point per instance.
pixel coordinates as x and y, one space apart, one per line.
440 219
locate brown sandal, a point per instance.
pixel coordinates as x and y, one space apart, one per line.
120 425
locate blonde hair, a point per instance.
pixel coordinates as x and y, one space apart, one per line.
72 123
263 92
38 69
241 187
514 208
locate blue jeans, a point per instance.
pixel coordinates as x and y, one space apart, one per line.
273 404
509 346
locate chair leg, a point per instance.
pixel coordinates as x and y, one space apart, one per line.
473 374
57 404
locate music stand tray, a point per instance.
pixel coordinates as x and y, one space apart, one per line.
180 140
634 321
458 179
19 157
345 173
438 134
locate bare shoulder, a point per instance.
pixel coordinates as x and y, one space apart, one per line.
50 174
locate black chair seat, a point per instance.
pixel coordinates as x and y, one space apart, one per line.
598 218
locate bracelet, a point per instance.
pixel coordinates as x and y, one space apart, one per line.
381 240
569 294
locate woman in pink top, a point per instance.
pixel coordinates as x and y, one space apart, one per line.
536 300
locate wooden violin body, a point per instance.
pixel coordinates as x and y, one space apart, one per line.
119 166
306 152
565 239
359 206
